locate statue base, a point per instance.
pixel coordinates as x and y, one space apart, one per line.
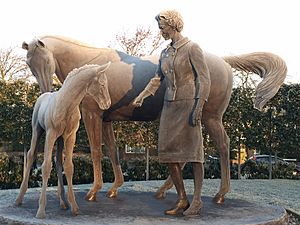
135 208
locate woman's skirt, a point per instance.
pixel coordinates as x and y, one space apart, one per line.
178 141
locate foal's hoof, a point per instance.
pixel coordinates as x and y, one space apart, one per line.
40 214
112 194
219 199
18 202
63 205
160 195
181 205
75 211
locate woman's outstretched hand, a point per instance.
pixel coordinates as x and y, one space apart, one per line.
138 101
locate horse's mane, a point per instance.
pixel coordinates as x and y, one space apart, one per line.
75 71
66 39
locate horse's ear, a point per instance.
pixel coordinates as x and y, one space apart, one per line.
40 43
25 45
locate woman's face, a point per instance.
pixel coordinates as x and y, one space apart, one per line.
166 30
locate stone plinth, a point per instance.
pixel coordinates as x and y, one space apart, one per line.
134 208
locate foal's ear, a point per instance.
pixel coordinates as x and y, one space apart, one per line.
40 43
25 45
104 67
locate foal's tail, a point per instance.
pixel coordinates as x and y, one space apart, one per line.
268 66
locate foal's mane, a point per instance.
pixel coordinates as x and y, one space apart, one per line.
76 71
67 40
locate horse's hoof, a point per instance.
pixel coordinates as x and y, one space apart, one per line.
181 205
90 197
112 194
219 199
194 209
160 195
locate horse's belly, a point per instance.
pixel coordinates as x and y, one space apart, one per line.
149 111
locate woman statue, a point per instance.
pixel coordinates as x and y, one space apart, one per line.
183 69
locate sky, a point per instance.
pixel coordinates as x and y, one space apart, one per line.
221 27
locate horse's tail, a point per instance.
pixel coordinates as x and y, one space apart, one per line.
268 66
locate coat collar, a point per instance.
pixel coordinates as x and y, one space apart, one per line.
179 43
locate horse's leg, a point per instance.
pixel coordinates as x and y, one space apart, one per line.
69 171
93 124
195 207
46 170
58 165
219 136
110 142
168 184
36 135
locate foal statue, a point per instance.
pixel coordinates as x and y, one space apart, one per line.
58 115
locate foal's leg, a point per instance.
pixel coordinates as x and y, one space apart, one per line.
216 131
195 207
69 170
36 136
46 170
168 184
110 142
59 165
93 124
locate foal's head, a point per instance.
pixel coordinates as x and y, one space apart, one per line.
98 88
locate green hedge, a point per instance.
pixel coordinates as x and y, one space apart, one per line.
11 169
275 131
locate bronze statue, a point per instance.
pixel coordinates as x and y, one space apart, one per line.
183 67
53 54
58 114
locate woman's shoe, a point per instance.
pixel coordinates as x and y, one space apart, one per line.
181 206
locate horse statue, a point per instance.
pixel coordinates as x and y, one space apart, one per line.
47 55
58 115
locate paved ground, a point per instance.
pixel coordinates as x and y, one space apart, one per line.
246 204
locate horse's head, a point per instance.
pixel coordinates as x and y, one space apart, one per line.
41 63
98 88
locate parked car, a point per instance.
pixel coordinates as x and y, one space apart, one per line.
265 159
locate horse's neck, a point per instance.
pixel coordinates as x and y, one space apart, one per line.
71 94
69 56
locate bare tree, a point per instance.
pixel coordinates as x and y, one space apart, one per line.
143 42
245 79
13 65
